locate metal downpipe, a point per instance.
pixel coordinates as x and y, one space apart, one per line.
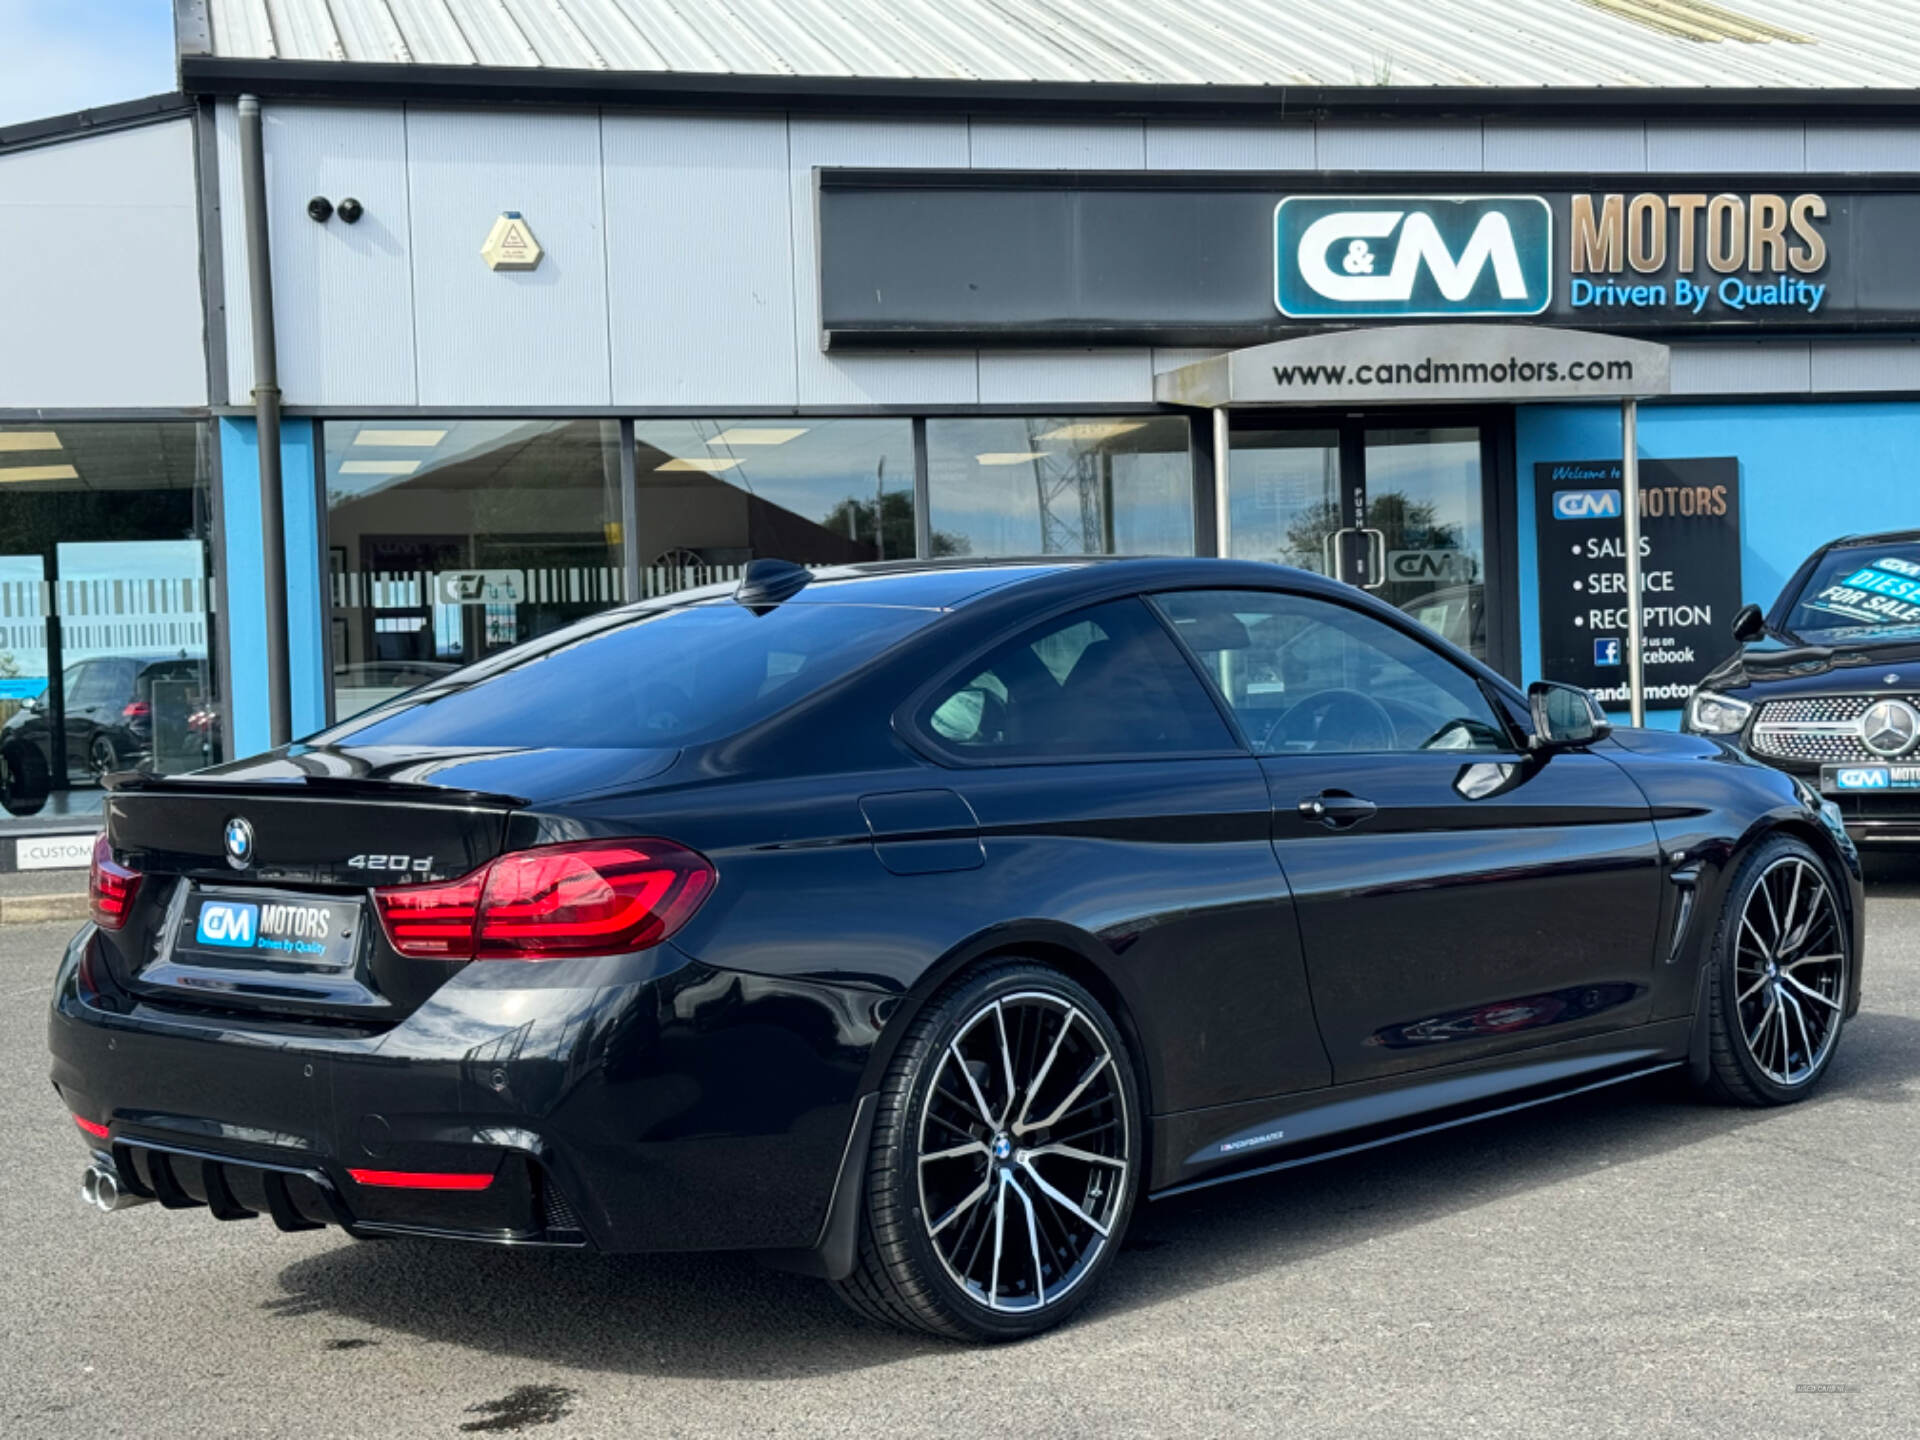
1630 503
266 409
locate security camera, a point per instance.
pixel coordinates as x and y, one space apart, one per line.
351 210
319 208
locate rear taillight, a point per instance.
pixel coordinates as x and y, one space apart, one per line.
135 709
433 920
111 887
597 897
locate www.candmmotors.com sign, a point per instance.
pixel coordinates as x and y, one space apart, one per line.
1412 257
1424 364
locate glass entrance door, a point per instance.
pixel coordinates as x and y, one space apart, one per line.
1396 509
1423 503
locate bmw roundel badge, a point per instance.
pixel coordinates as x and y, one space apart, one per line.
238 842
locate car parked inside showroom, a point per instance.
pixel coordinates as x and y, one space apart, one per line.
107 722
913 924
1825 684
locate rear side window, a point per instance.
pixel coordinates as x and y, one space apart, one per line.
1101 682
640 681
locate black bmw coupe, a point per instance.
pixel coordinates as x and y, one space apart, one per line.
911 924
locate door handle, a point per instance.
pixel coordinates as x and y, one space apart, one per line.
1330 552
1376 544
1337 810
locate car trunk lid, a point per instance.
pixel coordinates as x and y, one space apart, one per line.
256 879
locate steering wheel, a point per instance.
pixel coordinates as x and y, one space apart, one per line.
1333 720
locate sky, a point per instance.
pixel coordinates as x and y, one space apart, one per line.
58 56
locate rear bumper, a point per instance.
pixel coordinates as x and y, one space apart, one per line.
642 1103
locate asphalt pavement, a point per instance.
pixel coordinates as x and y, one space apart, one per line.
1632 1264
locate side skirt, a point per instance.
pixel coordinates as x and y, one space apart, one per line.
1206 1147
1375 1144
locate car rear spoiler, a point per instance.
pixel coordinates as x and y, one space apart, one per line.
133 782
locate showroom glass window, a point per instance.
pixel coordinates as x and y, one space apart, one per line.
714 494
104 609
448 540
1060 485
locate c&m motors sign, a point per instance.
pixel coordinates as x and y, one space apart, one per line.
1412 256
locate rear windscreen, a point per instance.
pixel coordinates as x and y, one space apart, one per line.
1865 591
650 680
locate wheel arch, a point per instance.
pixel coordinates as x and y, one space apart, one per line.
1068 949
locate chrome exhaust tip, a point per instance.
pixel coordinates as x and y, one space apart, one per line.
102 1188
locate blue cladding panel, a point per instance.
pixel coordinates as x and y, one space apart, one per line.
1808 472
246 592
306 597
244 598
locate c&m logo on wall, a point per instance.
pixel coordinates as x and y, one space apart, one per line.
1412 256
1586 504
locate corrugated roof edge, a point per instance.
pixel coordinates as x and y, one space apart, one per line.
358 80
97 121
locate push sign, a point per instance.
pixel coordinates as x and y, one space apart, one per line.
1401 257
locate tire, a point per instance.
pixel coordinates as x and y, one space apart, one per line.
103 757
949 1127
1774 1009
23 780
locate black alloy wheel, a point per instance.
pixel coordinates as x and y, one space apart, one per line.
103 757
1005 1158
1779 980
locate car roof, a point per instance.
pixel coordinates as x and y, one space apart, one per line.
1881 537
948 584
931 584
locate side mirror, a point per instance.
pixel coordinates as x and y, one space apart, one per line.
1565 717
1748 624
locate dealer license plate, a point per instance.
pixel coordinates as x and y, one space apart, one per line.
1868 779
219 927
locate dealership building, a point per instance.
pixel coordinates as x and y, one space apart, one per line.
544 307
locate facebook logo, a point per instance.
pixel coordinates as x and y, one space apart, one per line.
1606 652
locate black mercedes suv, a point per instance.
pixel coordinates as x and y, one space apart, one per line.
1826 685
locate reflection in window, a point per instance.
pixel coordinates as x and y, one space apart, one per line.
103 640
1306 676
1101 485
1283 497
449 540
714 494
1423 495
1102 682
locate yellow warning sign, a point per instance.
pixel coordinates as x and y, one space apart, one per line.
510 244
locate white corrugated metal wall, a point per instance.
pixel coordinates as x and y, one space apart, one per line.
101 295
680 269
